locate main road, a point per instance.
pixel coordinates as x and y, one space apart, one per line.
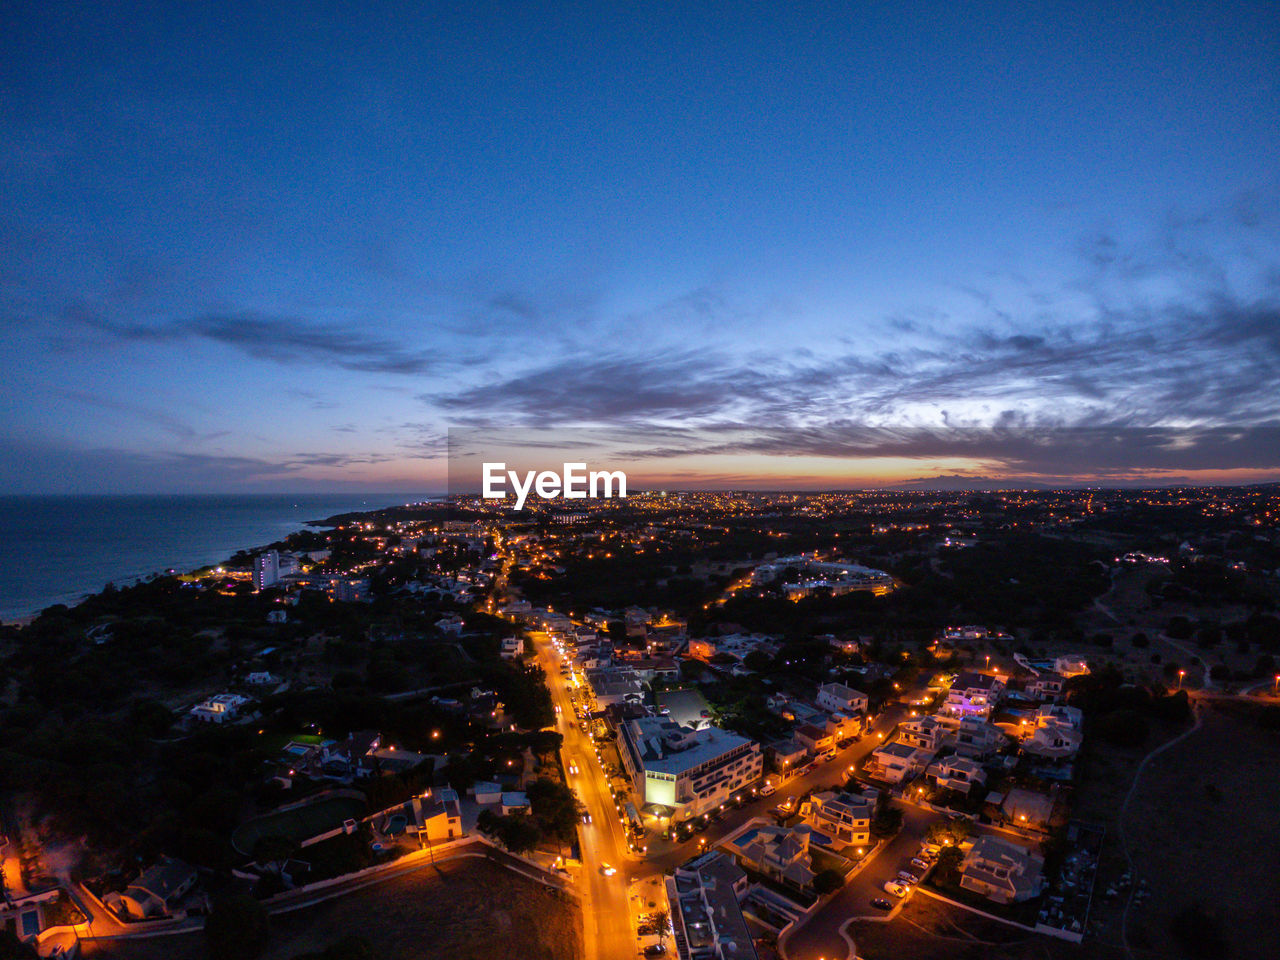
607 924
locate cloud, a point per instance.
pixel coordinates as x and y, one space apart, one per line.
286 340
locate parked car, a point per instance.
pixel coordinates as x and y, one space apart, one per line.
844 744
768 790
655 950
907 877
897 889
919 864
881 903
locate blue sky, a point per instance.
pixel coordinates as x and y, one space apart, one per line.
289 246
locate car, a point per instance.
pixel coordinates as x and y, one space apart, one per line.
654 950
897 889
827 755
557 709
573 767
907 877
608 870
919 864
768 790
586 818
881 903
844 744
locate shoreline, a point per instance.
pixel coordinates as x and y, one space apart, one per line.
73 598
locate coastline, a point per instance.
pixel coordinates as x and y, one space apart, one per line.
63 549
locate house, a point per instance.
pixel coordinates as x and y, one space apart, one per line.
781 853
514 801
1056 734
977 738
1047 686
896 762
815 739
219 709
451 624
261 678
704 896
486 791
841 725
844 818
1071 666
838 698
957 773
786 754
439 815
511 647
157 891
973 695
1001 871
925 732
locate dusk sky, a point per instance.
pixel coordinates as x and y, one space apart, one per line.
287 247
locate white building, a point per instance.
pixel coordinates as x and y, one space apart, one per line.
688 771
1001 871
844 818
220 708
838 698
266 569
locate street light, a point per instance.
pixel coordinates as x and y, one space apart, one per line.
1181 674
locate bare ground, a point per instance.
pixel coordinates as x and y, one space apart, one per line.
472 910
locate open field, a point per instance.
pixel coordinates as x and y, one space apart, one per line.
488 913
1202 830
300 823
929 930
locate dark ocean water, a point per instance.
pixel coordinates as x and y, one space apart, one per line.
57 549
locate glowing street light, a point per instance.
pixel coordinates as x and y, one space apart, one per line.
1181 674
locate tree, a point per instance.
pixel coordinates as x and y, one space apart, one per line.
661 921
237 928
886 819
828 881
949 832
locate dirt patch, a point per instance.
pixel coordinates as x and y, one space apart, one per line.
1202 832
929 930
472 910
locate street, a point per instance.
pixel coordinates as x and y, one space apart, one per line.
608 930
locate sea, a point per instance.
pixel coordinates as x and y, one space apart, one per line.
59 549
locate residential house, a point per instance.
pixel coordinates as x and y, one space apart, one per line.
157 892
815 739
925 732
973 695
839 698
511 648
1072 665
1001 871
439 816
977 738
844 818
705 912
514 801
957 773
896 762
1056 734
785 755
781 853
222 708
1047 686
